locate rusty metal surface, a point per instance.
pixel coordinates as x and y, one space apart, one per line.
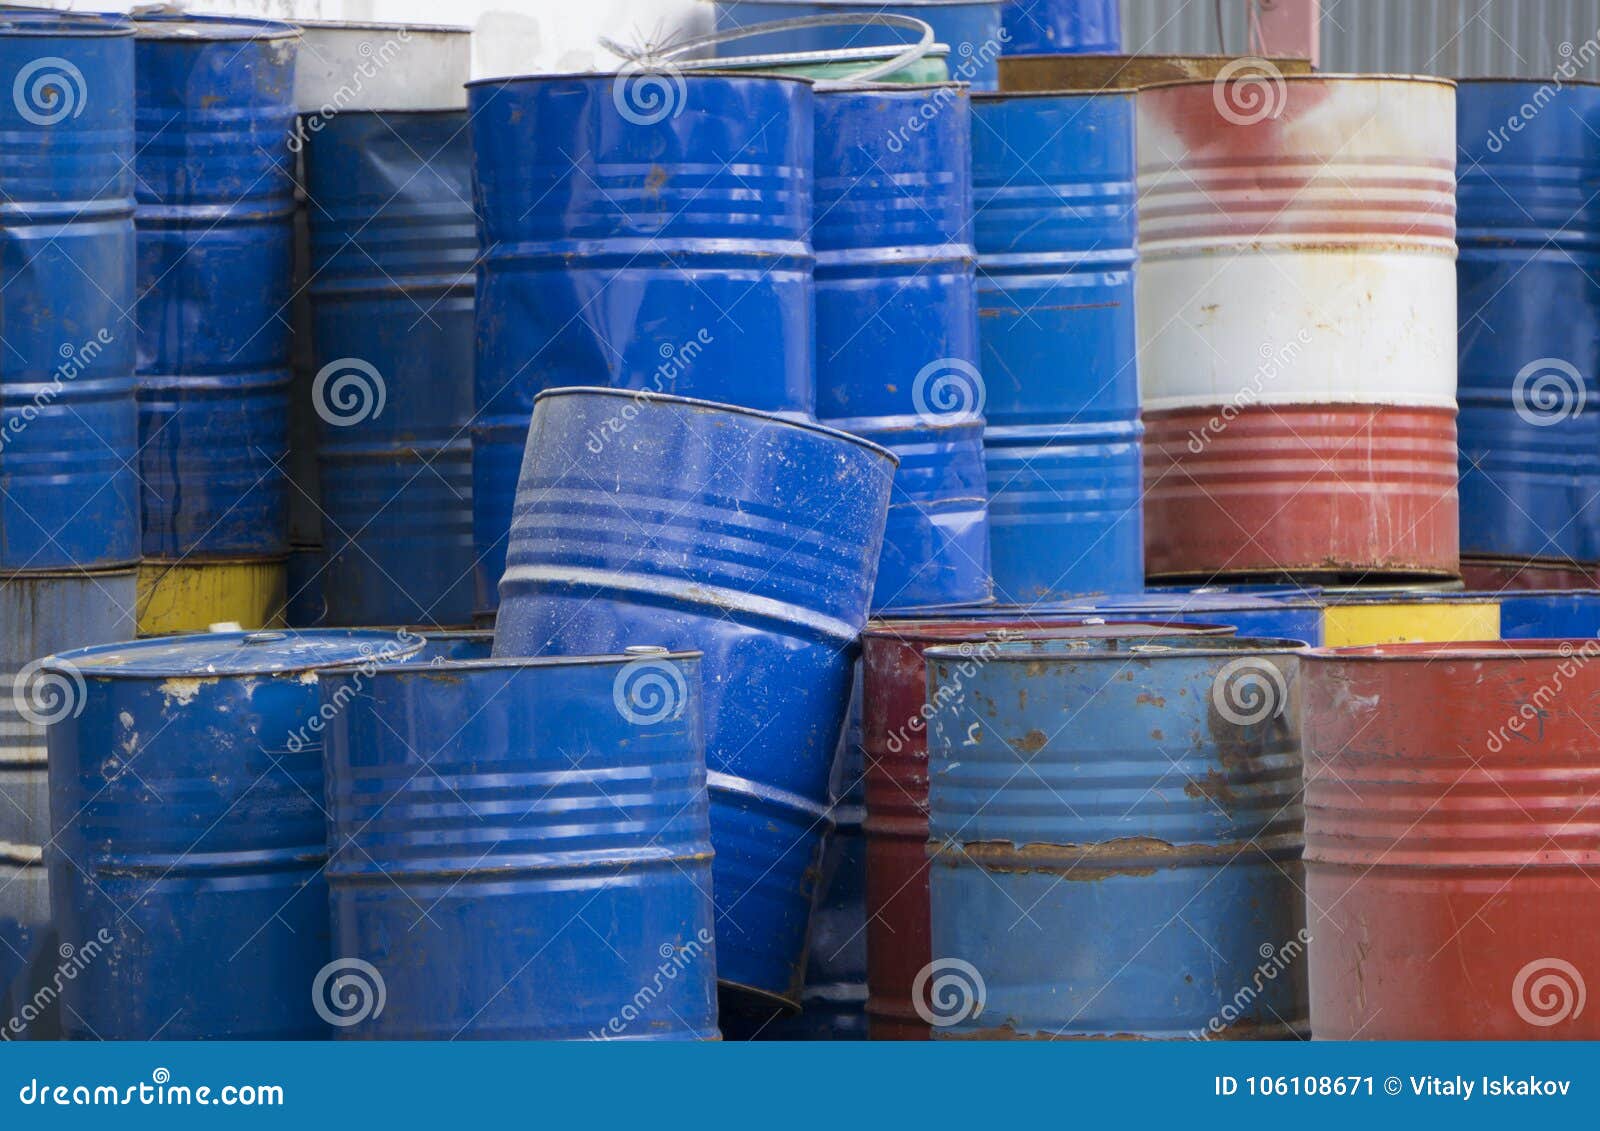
1452 793
1496 574
1022 73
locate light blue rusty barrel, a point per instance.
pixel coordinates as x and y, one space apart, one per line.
39 615
1063 27
392 247
186 803
646 232
1054 185
1115 835
971 28
897 325
563 888
745 536
69 438
215 110
1529 236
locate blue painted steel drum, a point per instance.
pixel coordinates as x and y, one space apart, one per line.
69 437
1115 836
1565 614
39 615
215 111
186 803
897 325
640 237
1527 228
1063 27
439 648
392 245
739 534
563 887
1055 228
971 28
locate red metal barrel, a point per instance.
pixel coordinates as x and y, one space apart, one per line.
894 736
1496 575
1452 805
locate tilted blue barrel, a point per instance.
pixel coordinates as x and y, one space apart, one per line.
215 110
1115 832
970 28
392 248
1528 227
1549 614
563 887
189 835
69 438
897 325
643 232
739 534
1063 27
1054 184
39 615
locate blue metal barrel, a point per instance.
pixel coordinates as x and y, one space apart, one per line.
1296 617
39 615
1553 614
69 437
645 232
1054 184
189 835
971 29
1115 837
215 110
392 246
744 536
1063 27
1528 228
447 647
897 325
563 887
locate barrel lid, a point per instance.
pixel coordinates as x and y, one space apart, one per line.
976 630
1123 649
1167 603
832 87
1581 650
190 26
377 25
1331 78
42 22
643 69
236 653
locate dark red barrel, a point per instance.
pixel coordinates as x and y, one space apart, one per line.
894 737
1452 812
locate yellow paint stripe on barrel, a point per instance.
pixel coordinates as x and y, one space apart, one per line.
191 597
1405 622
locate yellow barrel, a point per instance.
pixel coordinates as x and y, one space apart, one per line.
1401 621
191 597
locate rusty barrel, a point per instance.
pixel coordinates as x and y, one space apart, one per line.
1451 797
1297 312
1114 838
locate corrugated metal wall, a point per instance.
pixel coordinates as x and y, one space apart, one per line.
1458 38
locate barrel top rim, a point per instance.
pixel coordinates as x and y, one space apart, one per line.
187 27
977 630
1512 594
378 25
400 667
792 58
827 87
50 23
1547 648
1514 80
1197 646
858 4
99 661
730 409
1340 77
1064 92
612 76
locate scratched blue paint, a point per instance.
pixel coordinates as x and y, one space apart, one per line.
567 864
745 536
1063 27
186 802
1572 614
1115 831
